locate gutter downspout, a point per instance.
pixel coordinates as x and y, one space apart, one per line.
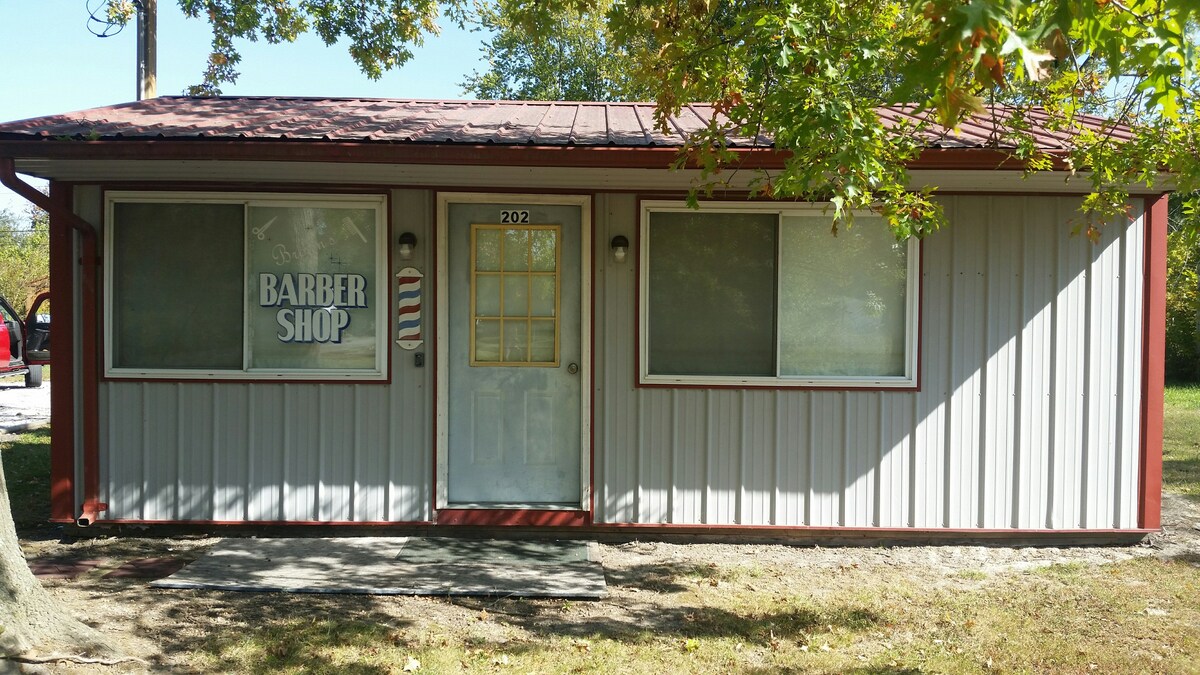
89 404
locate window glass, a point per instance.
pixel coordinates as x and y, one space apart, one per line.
522 290
712 293
177 273
842 300
310 287
232 285
764 294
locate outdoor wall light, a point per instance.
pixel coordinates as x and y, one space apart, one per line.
408 241
620 246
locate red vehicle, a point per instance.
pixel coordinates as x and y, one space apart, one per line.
24 345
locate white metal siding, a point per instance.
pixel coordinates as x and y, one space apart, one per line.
272 452
1027 416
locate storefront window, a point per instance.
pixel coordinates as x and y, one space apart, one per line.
764 295
247 286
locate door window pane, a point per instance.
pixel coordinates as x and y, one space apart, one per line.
487 340
543 300
544 336
712 293
516 250
487 251
177 273
516 295
487 295
516 341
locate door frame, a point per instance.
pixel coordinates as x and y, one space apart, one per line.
442 380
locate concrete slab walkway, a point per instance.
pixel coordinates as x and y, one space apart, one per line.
397 566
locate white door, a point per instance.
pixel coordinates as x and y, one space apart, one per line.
511 351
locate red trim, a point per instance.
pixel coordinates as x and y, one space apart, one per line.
729 194
664 530
62 393
1154 327
90 366
806 530
514 517
268 523
610 157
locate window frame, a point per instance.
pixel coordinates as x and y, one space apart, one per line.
381 293
908 381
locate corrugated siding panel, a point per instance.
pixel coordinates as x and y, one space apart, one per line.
195 480
756 486
967 352
269 452
617 428
267 443
1001 425
1002 434
231 461
827 450
792 458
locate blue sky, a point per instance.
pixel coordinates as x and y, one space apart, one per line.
50 63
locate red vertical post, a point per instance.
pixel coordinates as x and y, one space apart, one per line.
1154 331
62 360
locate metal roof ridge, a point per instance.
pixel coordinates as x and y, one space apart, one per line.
537 129
646 136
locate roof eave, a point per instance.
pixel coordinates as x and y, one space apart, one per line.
608 156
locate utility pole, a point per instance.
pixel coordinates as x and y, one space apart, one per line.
147 48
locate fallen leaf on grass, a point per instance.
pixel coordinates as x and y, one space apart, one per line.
691 645
582 645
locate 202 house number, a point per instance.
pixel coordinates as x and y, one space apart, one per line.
514 217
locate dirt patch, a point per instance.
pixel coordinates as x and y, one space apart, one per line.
656 589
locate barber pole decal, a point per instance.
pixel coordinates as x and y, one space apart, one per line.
408 303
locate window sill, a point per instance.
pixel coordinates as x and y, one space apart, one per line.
846 384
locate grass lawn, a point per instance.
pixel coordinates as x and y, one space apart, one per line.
1181 441
751 610
27 472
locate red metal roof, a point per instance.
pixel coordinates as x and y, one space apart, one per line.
529 123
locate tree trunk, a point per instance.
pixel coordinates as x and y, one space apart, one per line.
31 622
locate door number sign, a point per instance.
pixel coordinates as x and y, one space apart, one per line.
514 217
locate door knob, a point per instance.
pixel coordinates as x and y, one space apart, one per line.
573 368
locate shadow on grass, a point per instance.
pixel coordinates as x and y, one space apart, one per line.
27 474
272 632
1183 474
